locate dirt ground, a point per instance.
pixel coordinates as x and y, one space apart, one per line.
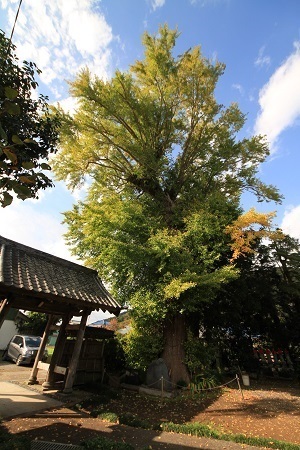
270 408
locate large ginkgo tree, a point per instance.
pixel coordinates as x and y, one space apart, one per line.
166 173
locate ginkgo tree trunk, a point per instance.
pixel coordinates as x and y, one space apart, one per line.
167 171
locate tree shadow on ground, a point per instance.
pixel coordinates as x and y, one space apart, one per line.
73 434
258 408
156 410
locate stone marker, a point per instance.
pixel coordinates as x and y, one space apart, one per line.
155 372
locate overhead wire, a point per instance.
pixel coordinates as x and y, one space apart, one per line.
16 18
13 29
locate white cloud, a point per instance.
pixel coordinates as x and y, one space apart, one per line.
157 4
4 4
290 222
279 99
22 222
64 36
262 60
239 88
68 104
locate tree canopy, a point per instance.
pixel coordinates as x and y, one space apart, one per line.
261 306
28 132
167 171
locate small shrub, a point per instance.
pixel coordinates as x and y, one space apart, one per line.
108 417
102 443
203 382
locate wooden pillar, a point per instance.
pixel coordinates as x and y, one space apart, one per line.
57 353
40 353
4 308
76 353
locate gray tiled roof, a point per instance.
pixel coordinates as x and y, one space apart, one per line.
28 271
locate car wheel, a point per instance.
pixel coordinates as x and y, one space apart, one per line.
19 360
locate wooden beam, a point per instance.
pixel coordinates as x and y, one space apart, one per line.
76 353
38 297
4 308
57 353
44 306
40 353
57 369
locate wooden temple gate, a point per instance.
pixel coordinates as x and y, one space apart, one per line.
33 280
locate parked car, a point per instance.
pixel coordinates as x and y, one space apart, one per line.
23 349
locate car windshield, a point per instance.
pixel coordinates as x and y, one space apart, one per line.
33 341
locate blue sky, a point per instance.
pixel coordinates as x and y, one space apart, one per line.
259 41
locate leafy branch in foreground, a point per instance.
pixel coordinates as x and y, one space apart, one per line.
28 130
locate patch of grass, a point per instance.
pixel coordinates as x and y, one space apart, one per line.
202 430
102 443
50 349
108 417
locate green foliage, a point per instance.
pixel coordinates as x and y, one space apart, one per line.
141 346
108 417
28 131
114 355
103 443
35 323
261 305
203 382
200 356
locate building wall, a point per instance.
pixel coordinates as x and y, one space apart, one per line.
7 331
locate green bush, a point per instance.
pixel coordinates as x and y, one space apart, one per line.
108 417
199 355
204 382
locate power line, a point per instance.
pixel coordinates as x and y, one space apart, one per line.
16 18
9 41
